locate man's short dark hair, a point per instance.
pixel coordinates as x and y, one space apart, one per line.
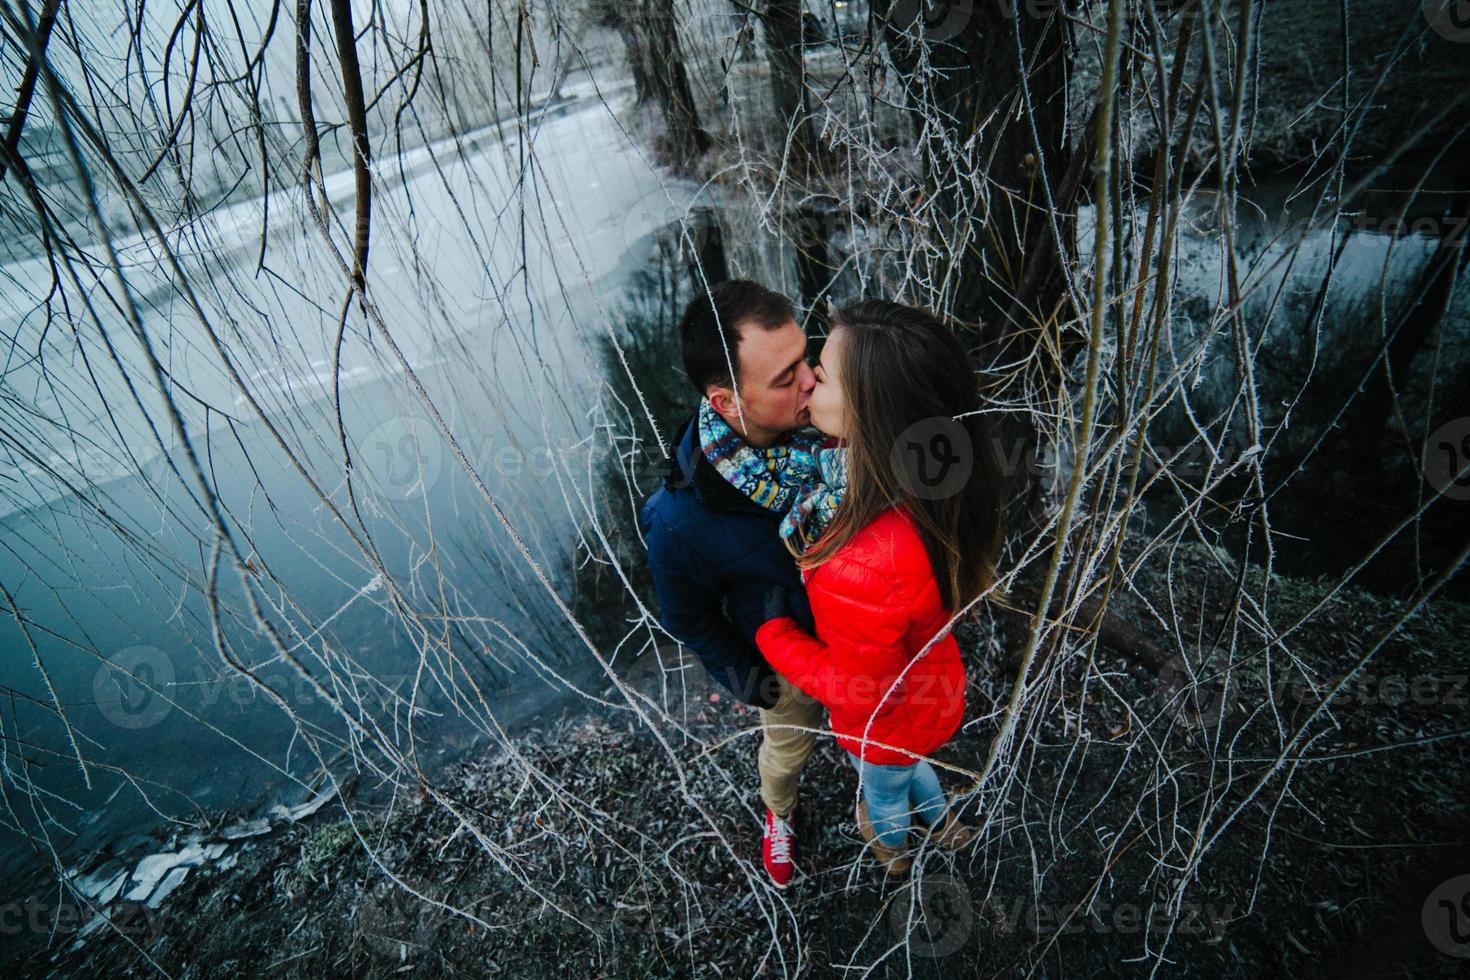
708 328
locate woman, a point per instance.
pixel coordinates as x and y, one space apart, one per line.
901 530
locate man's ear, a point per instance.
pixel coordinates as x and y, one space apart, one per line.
722 400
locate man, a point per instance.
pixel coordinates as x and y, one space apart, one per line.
711 529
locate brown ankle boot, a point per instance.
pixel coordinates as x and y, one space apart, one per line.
865 826
894 860
953 835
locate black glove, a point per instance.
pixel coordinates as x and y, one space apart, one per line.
799 608
775 604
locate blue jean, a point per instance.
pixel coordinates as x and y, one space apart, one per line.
895 794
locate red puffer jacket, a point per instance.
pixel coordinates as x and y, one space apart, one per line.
876 605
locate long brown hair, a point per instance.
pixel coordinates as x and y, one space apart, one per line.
909 385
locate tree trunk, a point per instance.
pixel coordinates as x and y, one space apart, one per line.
1001 258
650 35
1000 240
782 22
687 139
637 53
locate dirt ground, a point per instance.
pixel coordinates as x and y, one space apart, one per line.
597 860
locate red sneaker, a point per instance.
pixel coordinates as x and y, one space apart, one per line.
777 848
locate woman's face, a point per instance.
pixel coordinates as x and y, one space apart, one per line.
828 404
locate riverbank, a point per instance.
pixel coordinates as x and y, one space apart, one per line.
582 850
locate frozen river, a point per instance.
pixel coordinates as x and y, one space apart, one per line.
497 263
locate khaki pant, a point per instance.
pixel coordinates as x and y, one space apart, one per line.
783 750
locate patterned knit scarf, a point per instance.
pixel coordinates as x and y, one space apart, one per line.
773 477
804 478
811 514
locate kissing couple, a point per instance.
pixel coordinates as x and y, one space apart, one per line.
803 548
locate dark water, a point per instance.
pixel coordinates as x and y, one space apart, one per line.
203 735
1346 430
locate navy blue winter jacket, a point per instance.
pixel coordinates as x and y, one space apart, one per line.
715 554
